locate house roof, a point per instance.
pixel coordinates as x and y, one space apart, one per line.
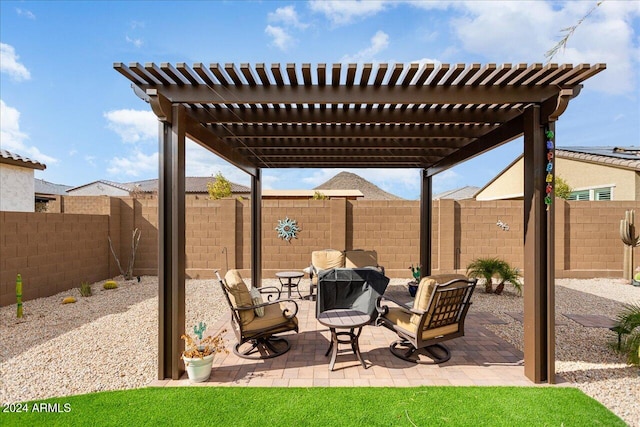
10 158
193 184
430 116
462 193
621 157
44 187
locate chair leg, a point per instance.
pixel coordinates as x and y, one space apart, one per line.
266 348
436 353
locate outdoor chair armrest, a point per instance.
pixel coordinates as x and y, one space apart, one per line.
383 309
270 290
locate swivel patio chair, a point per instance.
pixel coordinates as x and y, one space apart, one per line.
256 323
437 315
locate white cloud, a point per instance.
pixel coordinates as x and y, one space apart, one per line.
341 12
133 125
9 64
202 162
135 165
135 42
446 180
14 140
286 15
379 42
26 13
524 31
280 38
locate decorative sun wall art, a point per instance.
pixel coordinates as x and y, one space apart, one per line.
287 229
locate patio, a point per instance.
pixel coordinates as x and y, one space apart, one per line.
478 358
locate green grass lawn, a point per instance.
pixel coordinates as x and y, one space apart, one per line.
361 406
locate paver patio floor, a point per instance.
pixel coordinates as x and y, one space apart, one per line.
478 358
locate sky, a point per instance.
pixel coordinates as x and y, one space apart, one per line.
63 104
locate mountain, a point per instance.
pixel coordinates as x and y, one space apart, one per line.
351 181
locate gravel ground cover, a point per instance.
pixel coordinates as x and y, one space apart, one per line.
109 341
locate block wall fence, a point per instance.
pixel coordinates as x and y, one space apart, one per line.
56 251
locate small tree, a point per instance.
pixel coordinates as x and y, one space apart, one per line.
319 196
219 188
563 190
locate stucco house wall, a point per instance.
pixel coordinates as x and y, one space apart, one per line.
16 189
580 175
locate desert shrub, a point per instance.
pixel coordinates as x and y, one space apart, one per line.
85 289
628 323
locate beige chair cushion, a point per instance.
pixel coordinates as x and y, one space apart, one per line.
239 295
403 321
360 259
325 260
272 317
425 289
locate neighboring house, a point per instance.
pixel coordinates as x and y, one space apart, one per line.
193 185
593 173
17 182
47 192
462 193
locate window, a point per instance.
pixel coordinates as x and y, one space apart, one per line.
579 195
604 193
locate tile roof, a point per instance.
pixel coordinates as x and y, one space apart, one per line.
462 193
8 157
193 184
622 157
44 187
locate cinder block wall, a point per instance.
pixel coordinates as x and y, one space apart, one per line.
55 252
52 252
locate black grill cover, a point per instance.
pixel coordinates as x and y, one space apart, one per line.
350 288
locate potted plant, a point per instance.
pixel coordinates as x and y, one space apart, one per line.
199 352
413 285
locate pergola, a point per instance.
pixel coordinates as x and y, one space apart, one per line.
427 116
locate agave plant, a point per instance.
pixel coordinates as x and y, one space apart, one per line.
629 323
486 268
511 275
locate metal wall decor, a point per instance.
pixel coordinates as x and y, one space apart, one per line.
287 229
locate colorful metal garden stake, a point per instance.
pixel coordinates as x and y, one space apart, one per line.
549 178
19 295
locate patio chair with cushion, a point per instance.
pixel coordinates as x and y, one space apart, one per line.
254 322
437 315
330 258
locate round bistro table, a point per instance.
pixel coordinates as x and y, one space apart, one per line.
344 319
289 276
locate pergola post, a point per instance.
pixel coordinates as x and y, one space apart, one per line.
256 229
426 214
171 236
539 275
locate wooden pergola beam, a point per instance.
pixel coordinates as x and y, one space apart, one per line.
320 116
283 94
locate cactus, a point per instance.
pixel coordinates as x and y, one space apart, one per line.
69 300
19 295
110 284
199 330
630 240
